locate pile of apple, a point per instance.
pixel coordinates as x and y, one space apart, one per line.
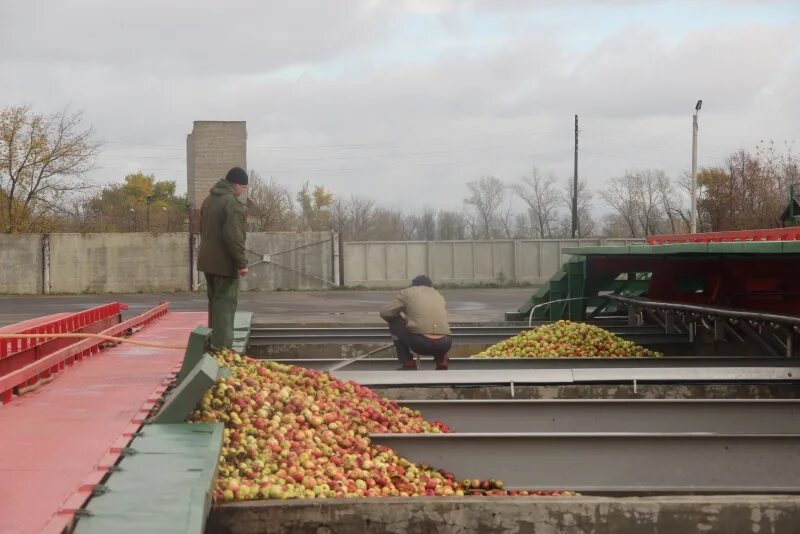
566 339
299 433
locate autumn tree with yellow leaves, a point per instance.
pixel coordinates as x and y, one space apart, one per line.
43 159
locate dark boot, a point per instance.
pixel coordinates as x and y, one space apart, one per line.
410 365
442 363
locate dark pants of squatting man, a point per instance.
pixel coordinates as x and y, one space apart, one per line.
405 342
223 296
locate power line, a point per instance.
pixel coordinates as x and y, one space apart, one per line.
358 146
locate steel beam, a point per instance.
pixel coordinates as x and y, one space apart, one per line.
709 310
477 338
472 334
613 462
688 374
731 416
439 378
460 364
567 376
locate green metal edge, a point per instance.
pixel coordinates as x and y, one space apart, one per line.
747 247
180 475
185 397
196 347
737 247
241 330
589 251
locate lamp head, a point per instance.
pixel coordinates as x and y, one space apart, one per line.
699 105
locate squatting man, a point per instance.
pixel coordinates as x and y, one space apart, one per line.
417 320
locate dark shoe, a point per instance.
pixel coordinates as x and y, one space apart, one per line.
408 366
441 365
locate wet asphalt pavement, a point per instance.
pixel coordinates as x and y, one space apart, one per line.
276 307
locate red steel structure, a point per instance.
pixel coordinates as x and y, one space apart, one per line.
791 233
17 353
58 360
61 440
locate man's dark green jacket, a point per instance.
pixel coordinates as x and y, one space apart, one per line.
222 232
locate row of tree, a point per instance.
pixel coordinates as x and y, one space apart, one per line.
44 158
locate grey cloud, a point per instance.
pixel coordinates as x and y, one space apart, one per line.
411 133
201 36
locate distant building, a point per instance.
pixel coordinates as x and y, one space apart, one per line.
212 149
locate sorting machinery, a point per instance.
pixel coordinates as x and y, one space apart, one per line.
722 307
705 438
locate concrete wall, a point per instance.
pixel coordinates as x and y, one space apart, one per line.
21 264
143 262
212 149
294 261
395 263
729 514
117 263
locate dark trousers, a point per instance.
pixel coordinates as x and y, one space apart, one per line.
405 342
223 297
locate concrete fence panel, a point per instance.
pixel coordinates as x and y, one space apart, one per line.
441 261
393 264
143 262
286 260
119 263
417 259
21 264
354 262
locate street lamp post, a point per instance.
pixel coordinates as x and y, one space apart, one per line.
693 216
133 218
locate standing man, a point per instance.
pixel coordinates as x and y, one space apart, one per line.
222 258
417 320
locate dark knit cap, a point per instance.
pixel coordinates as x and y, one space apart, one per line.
237 175
422 280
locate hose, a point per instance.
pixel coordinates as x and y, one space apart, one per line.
93 336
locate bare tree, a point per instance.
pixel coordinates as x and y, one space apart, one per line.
506 219
42 158
522 228
410 225
672 204
614 225
388 225
472 226
340 219
428 224
622 196
540 195
450 225
649 206
270 206
362 212
486 196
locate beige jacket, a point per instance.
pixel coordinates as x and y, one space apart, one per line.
424 309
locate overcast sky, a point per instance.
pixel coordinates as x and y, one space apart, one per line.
407 100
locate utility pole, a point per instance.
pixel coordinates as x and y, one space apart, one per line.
693 215
575 186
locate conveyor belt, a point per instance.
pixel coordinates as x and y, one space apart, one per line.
472 334
613 462
462 364
569 376
733 416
